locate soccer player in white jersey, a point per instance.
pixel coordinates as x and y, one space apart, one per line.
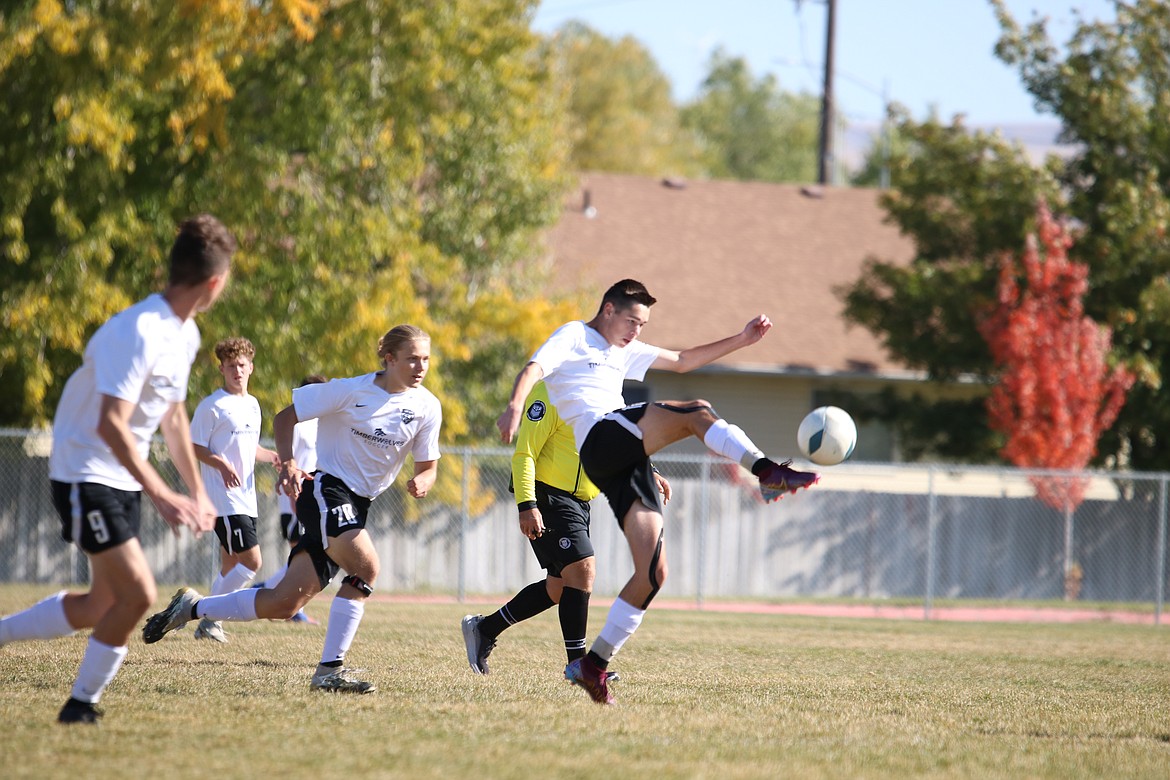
584 365
132 381
304 449
225 430
367 425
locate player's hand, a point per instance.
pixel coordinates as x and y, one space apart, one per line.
230 478
207 514
421 484
663 487
178 510
290 478
531 523
755 330
508 422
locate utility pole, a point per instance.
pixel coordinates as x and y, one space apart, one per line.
825 153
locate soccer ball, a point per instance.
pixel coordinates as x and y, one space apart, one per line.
827 435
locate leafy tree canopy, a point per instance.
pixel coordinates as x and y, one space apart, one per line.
380 161
965 197
750 128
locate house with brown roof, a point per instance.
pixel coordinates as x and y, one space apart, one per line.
717 253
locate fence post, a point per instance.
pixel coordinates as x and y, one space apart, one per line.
702 518
931 520
1160 561
464 522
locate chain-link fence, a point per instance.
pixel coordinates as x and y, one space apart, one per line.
867 531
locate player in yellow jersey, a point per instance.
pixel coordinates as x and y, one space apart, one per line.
552 497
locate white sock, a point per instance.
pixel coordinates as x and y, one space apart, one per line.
275 579
238 606
731 442
217 587
344 617
98 667
237 578
620 624
43 620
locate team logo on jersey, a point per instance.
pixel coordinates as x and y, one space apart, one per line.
407 416
378 438
564 542
536 411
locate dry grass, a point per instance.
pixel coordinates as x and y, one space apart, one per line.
702 695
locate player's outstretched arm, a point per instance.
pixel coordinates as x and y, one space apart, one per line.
696 357
509 421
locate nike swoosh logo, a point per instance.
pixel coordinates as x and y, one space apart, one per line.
358 406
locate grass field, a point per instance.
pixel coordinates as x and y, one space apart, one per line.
702 695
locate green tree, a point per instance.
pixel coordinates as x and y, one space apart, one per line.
965 197
751 129
1111 91
381 161
622 118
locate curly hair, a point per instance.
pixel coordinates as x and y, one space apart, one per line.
237 346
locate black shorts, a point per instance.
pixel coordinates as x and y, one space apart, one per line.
236 533
290 527
566 529
96 517
327 508
616 461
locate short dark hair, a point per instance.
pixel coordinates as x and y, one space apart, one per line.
313 379
203 249
625 294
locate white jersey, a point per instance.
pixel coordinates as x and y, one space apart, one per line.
305 452
142 355
364 433
229 426
584 373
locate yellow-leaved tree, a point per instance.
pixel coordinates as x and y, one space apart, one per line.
380 161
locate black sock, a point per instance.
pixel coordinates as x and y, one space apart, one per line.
574 613
759 465
530 601
597 661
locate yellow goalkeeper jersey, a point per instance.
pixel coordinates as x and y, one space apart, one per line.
546 451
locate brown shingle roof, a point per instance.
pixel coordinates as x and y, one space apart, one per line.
716 253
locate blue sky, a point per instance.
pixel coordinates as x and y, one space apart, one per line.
922 53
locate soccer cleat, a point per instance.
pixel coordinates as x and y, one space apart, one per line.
341 680
479 647
595 681
301 617
612 677
77 711
776 479
176 615
211 629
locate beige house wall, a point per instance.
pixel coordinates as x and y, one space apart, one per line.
770 407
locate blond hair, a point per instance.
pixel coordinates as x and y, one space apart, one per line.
398 337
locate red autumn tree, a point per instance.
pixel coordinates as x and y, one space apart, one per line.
1056 393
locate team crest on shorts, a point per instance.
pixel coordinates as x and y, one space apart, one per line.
407 416
536 411
565 542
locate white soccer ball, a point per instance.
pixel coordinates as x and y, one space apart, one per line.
827 435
